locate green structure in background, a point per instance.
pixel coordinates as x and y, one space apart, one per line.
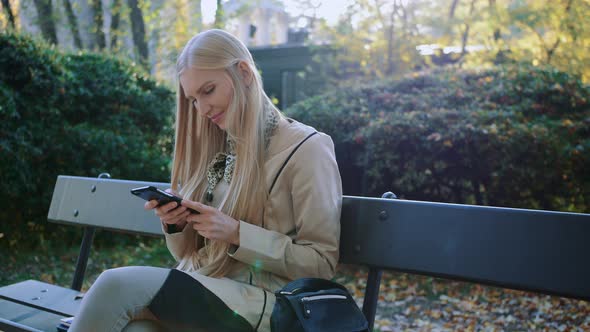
283 69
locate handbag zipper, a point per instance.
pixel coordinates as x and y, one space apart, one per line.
308 299
322 297
289 292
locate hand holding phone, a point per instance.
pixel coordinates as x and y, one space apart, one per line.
150 193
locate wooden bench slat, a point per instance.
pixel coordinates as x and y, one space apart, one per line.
47 297
17 317
542 251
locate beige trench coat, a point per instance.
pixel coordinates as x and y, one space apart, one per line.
301 232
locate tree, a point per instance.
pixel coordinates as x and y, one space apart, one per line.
115 18
375 38
46 21
219 20
171 25
379 38
99 36
73 22
138 31
9 13
551 32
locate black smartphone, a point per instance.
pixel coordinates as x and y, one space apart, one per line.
152 193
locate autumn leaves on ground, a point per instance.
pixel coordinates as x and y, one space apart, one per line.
417 303
406 302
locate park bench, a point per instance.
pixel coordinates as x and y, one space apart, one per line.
540 251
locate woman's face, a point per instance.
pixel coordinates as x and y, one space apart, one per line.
210 92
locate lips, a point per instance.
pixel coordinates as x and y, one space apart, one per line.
217 117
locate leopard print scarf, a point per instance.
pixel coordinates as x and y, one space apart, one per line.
223 164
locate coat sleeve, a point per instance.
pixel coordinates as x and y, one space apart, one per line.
176 242
316 201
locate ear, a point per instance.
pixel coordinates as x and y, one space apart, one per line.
245 72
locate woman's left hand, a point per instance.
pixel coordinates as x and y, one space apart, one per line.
212 223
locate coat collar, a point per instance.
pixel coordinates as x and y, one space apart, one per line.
288 134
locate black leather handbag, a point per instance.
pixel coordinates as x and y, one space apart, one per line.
316 305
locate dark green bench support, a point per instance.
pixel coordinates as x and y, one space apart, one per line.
540 251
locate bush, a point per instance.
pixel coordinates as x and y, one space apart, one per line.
514 136
76 114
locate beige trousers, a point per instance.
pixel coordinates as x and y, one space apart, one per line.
118 301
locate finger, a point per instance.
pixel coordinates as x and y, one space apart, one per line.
202 230
178 220
177 211
175 215
199 207
150 204
163 210
196 218
169 190
185 215
169 207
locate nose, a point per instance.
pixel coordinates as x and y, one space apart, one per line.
201 108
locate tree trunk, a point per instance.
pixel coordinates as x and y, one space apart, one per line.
6 5
196 16
219 16
390 32
138 30
494 12
73 22
116 16
98 24
552 50
500 56
453 8
45 17
466 32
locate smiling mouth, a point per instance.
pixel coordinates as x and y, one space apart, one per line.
216 117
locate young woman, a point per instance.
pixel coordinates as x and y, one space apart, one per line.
262 199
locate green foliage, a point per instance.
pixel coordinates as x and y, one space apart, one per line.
380 38
75 114
514 136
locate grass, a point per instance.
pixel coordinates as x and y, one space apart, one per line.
54 263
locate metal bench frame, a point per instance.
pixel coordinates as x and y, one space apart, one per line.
533 250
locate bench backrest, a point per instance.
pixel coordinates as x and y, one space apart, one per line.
103 203
541 251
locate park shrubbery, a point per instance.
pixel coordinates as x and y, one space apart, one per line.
517 136
514 136
75 114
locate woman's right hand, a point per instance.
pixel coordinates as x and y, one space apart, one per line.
169 213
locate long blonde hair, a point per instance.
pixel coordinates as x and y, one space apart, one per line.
198 140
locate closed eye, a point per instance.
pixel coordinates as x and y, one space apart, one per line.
210 90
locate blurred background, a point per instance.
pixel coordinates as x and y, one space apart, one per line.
481 102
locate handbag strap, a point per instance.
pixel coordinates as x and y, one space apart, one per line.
287 160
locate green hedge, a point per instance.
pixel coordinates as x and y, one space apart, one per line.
514 136
76 114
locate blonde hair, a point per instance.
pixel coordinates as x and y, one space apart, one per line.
198 140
